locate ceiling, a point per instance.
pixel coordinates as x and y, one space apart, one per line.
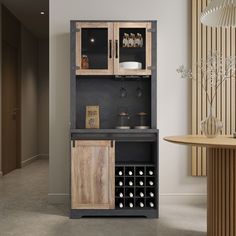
28 12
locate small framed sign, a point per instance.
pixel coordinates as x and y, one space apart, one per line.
92 117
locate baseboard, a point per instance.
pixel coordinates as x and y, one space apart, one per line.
173 198
58 198
43 156
184 198
29 160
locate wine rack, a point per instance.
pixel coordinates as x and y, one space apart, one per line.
136 187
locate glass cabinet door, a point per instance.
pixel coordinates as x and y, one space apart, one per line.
132 49
94 53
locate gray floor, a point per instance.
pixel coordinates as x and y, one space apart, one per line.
24 211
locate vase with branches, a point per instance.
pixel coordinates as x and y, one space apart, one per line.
212 73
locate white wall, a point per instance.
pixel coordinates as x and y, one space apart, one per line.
29 95
174 98
0 87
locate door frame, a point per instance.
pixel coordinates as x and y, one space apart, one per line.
6 14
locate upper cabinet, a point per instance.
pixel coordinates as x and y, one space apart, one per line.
107 48
132 48
94 54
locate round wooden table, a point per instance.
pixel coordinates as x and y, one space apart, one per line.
221 181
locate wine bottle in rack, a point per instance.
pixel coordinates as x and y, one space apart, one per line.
151 204
131 205
130 172
150 172
131 194
121 183
151 194
131 183
141 183
141 194
121 195
120 173
151 183
121 205
141 204
140 172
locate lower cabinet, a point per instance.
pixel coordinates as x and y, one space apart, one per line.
93 174
114 178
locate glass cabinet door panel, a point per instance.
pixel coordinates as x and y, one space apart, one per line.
132 48
94 48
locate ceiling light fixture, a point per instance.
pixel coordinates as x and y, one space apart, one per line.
220 13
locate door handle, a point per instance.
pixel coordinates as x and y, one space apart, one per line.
14 113
16 109
110 48
116 46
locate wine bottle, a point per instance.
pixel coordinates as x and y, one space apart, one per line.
151 183
121 205
141 194
120 183
140 172
131 205
131 194
121 195
141 183
131 183
150 172
120 173
151 194
141 204
151 204
130 172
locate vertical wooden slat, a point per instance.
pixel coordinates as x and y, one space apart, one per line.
194 93
199 111
205 39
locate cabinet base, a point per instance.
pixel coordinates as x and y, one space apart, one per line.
77 214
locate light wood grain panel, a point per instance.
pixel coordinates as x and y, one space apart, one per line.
92 175
205 39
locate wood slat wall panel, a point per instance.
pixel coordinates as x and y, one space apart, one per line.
205 39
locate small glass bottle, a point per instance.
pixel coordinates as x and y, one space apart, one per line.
85 62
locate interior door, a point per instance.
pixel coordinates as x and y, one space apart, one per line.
93 175
9 107
94 54
133 43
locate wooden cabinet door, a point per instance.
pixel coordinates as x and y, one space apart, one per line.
142 54
94 48
93 175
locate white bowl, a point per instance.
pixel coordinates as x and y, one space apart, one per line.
131 65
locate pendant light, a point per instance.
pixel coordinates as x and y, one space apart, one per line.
220 13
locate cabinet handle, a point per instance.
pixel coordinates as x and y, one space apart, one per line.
110 48
116 48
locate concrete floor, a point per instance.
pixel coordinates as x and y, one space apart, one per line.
24 211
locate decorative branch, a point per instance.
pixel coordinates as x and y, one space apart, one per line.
214 71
